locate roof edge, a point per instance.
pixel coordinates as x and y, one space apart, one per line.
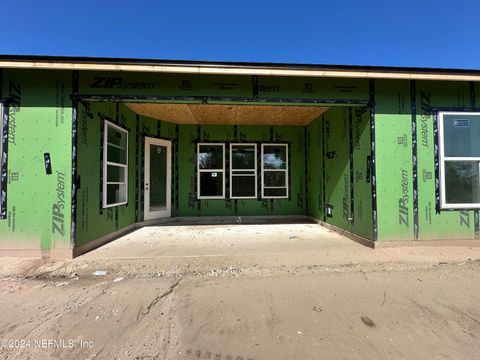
234 68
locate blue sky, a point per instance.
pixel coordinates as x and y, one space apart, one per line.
422 33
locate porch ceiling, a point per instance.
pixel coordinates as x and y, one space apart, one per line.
229 114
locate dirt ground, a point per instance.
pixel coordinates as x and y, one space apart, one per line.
291 299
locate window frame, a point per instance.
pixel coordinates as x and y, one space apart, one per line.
255 170
199 171
443 159
286 170
106 163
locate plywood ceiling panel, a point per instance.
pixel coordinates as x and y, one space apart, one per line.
167 112
229 114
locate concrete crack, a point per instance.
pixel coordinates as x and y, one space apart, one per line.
384 297
160 297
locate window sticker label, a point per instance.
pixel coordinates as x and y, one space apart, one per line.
465 123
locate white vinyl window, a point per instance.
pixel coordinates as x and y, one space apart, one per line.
459 145
115 165
243 171
275 171
211 171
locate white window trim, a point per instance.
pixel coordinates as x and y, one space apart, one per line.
443 158
106 125
283 170
238 172
199 171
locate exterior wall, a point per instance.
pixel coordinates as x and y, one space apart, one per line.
405 134
433 224
190 135
315 164
361 173
393 145
337 157
328 159
92 221
337 167
39 122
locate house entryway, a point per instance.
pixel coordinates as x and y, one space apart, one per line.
157 185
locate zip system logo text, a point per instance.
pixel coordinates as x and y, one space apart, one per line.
101 82
58 208
403 210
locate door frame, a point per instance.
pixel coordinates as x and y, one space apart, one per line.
147 214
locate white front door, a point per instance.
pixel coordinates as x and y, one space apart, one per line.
157 185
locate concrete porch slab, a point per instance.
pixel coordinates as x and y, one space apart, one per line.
299 243
175 240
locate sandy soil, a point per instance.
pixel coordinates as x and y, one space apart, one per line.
421 303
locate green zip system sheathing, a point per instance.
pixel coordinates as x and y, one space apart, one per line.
315 166
39 160
92 220
372 152
401 108
362 182
433 224
169 87
337 167
293 135
393 127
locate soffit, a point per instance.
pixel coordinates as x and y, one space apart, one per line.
208 114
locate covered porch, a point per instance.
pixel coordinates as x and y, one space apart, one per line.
143 163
